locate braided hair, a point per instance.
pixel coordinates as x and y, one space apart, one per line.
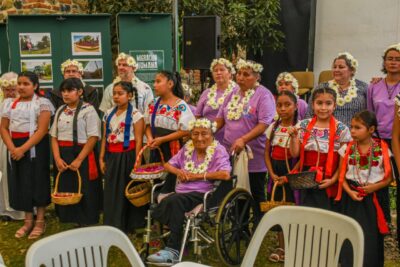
323 90
129 88
177 89
292 97
368 118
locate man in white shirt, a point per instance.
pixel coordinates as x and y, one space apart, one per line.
127 66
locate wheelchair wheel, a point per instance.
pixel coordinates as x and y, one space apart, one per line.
235 225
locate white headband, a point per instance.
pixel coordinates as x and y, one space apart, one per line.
353 61
69 63
249 64
224 62
288 77
129 60
203 123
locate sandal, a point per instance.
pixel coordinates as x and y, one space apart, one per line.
25 229
37 230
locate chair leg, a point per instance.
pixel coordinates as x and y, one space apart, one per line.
184 239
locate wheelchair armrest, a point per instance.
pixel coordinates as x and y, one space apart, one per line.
153 189
206 196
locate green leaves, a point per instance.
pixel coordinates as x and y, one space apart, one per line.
245 25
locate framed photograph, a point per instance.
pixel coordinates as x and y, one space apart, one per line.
35 44
92 69
86 43
45 90
42 67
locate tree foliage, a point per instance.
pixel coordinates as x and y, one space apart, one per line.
248 24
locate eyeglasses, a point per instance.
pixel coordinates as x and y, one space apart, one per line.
396 59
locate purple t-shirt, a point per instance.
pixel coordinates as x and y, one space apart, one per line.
260 109
219 162
380 99
205 111
192 108
301 109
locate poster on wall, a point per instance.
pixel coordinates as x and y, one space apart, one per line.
92 69
45 90
36 44
149 63
86 43
42 67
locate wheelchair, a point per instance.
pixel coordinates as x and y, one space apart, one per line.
226 219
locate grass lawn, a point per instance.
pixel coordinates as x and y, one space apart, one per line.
14 250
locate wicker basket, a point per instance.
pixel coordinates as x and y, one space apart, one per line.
302 180
148 171
138 195
66 198
268 205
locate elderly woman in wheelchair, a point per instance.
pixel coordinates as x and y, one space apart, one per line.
197 165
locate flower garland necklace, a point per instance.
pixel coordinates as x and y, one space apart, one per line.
350 94
212 95
236 105
189 163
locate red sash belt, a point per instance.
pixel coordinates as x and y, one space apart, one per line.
310 159
18 135
380 217
119 147
93 172
174 147
278 153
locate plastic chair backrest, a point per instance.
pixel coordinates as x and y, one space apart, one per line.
81 247
313 237
305 79
325 76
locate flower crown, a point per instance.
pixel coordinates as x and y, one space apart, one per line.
129 60
7 82
70 62
203 123
224 62
288 77
353 61
249 64
395 47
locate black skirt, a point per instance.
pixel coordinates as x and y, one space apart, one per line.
315 198
280 170
364 213
29 179
118 211
88 209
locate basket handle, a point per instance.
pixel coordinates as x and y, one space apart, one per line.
286 149
128 186
273 192
137 162
79 182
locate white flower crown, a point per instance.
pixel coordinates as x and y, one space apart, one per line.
249 64
203 123
70 62
288 77
394 46
7 82
353 61
224 62
129 60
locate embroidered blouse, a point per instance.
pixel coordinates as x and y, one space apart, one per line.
88 124
117 125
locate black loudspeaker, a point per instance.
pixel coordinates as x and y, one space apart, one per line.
201 41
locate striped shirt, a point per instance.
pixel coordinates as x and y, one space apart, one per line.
346 112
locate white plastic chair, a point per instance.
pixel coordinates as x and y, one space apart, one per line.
81 247
313 237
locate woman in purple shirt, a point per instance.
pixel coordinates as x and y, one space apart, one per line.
381 100
212 99
286 81
246 114
201 161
